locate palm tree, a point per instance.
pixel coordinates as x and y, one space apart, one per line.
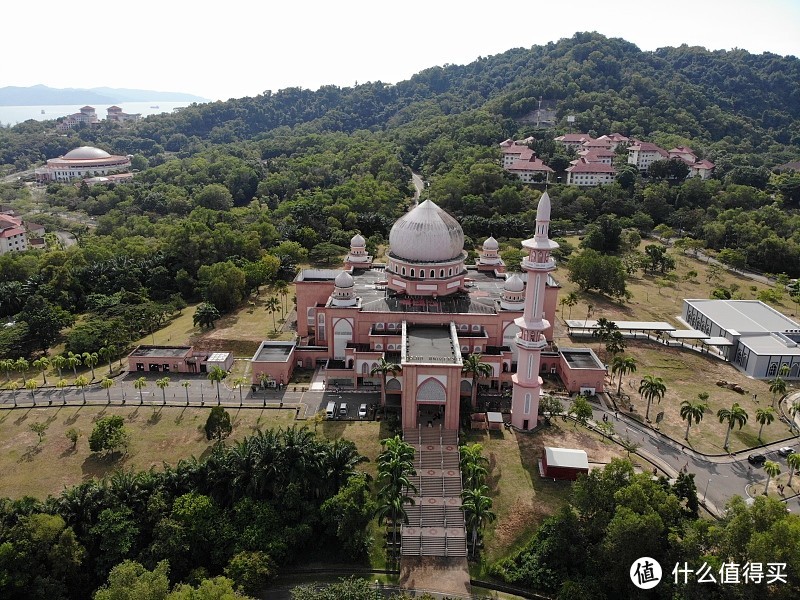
73 361
615 344
778 387
604 330
205 315
652 387
82 382
7 365
281 289
90 359
239 383
736 414
13 386
571 300
473 465
42 364
384 367
765 416
106 384
107 353
185 385
693 411
793 462
32 386
61 385
622 365
139 384
273 305
217 374
477 507
22 366
163 383
477 369
59 362
772 469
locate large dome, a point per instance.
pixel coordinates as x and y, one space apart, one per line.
86 152
427 234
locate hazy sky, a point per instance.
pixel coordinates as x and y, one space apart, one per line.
240 48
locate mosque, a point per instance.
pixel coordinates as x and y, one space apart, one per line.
426 309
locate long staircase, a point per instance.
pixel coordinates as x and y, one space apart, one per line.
435 520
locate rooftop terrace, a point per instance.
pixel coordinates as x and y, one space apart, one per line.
430 345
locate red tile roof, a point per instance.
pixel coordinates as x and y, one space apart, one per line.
591 167
574 137
533 164
648 147
7 233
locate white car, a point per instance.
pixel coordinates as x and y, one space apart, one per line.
362 411
786 451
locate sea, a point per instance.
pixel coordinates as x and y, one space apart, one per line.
11 115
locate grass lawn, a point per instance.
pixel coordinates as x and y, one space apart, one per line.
522 499
157 437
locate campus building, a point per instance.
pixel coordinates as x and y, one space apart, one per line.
426 309
85 161
754 337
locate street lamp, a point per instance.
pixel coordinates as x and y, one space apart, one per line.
706 490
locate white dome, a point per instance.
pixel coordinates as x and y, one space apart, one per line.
514 284
344 280
427 234
87 152
491 244
358 241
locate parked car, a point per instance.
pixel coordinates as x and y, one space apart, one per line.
343 409
362 411
786 451
756 459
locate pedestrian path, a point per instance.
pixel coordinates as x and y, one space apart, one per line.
318 380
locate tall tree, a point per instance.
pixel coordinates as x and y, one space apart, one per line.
383 368
81 382
735 415
622 365
793 462
163 383
106 383
778 388
90 359
764 416
477 369
272 305
652 388
694 411
772 469
42 364
217 374
477 506
140 384
218 425
205 315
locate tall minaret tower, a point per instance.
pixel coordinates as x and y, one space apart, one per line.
530 340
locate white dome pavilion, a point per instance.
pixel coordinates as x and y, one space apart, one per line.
86 153
427 234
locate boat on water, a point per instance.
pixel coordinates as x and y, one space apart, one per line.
42 111
156 106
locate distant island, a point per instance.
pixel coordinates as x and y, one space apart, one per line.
44 95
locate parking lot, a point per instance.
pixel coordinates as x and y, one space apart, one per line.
352 402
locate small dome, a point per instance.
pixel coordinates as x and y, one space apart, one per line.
427 234
358 241
543 209
514 284
491 244
344 280
86 152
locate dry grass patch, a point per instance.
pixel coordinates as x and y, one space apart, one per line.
164 435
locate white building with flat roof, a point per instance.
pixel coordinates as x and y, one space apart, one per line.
765 342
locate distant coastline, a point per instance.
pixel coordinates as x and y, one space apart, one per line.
12 115
42 95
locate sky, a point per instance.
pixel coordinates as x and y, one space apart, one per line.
241 48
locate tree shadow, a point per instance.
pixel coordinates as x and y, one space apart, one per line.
30 453
97 466
154 418
70 420
23 417
179 417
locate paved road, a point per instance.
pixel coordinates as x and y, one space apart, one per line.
718 478
419 185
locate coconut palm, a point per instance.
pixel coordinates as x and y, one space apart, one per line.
735 415
73 361
764 416
604 330
163 383
32 386
22 366
185 385
571 300
778 388
477 507
59 362
652 388
281 289
474 466
477 369
273 305
62 384
13 386
107 353
7 365
793 462
42 364
623 365
82 382
693 411
106 384
384 367
217 374
139 384
90 359
239 383
772 469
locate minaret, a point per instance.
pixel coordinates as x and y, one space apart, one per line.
530 340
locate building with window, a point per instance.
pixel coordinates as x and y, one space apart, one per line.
17 235
754 337
115 115
82 162
425 310
590 174
644 154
